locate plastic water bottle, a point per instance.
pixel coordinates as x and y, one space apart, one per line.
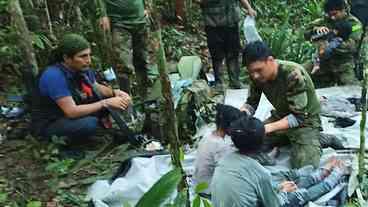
109 74
250 30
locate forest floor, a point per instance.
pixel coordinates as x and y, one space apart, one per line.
34 173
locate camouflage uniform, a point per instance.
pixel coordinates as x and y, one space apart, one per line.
128 15
292 92
221 18
339 68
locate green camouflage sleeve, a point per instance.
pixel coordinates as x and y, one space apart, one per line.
311 27
297 95
254 96
351 45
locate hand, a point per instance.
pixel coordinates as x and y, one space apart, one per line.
105 23
244 108
321 30
118 102
288 186
252 12
268 128
315 69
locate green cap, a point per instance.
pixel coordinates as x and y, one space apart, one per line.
72 44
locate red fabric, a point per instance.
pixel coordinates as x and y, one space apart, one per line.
87 89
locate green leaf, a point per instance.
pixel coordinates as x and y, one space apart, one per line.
181 155
161 190
189 67
126 204
206 203
180 200
34 204
197 202
201 187
3 197
38 42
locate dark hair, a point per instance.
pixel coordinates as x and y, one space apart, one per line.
225 115
247 134
334 5
256 51
344 29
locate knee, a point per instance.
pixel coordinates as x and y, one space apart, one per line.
88 126
304 155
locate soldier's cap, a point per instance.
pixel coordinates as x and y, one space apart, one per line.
247 133
72 44
334 5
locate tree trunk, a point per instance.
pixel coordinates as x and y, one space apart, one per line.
364 105
50 31
363 126
24 38
167 111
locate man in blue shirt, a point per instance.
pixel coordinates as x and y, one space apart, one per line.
65 104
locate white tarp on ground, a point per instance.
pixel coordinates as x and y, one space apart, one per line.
146 171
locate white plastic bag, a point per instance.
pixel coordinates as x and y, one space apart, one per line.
250 30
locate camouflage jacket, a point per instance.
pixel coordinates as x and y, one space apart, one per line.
292 92
345 53
217 13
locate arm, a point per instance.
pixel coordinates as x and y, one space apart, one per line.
104 20
250 106
246 5
279 125
297 103
312 27
71 110
106 91
350 45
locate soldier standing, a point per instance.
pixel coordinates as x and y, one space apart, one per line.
130 16
291 92
221 18
339 67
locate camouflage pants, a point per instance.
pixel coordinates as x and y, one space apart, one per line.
138 35
224 44
305 145
328 75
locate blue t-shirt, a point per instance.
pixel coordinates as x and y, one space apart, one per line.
53 82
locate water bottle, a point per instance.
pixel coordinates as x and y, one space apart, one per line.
250 30
109 74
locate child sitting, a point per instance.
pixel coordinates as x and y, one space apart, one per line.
329 42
